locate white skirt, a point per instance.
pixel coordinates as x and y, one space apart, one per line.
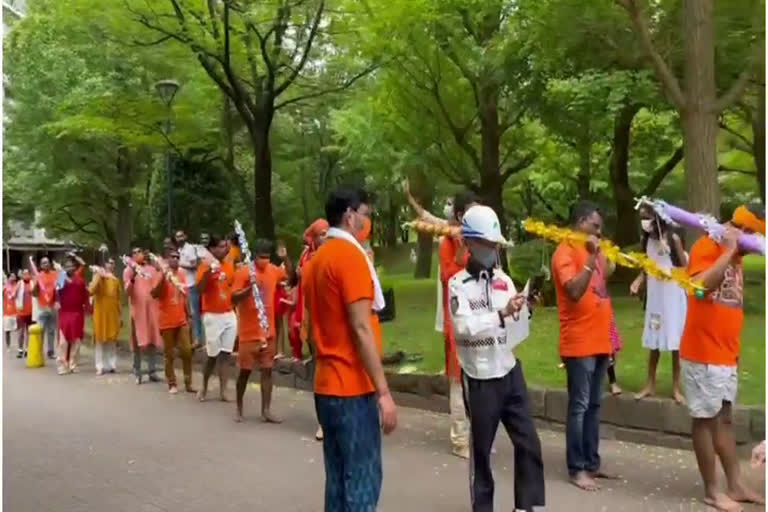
665 312
220 332
9 324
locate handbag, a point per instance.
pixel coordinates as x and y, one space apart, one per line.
388 313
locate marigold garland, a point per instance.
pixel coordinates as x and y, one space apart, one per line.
613 253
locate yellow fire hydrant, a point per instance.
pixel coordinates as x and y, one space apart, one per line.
35 357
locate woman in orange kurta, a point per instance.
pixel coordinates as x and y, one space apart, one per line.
105 289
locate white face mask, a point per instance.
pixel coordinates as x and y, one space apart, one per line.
448 211
647 225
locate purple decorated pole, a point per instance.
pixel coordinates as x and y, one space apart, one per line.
751 243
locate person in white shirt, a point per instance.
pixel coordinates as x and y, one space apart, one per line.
489 318
189 258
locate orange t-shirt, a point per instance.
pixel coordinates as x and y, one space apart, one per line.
171 303
338 276
9 303
713 324
26 310
46 296
584 325
217 297
248 326
448 266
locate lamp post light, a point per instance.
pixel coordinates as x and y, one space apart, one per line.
167 90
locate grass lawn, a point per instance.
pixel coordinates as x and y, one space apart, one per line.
413 332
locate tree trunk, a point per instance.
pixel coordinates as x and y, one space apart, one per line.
698 115
124 216
626 216
424 246
758 138
424 192
263 221
390 239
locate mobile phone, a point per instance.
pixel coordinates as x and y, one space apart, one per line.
537 284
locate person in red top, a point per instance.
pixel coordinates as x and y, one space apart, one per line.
584 309
10 320
453 258
44 288
214 282
24 316
709 355
172 319
257 348
74 300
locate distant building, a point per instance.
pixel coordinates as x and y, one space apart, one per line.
22 240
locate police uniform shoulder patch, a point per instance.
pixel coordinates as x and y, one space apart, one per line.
454 304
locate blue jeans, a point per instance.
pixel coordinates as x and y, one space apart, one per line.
352 452
196 327
582 428
48 320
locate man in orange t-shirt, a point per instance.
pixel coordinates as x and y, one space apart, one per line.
44 288
214 282
342 290
10 321
709 355
453 258
257 348
24 317
585 318
172 320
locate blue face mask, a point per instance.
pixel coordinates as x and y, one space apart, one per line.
485 256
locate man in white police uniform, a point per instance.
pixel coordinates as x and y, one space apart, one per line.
489 319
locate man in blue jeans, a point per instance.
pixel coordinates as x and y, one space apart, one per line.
584 307
189 259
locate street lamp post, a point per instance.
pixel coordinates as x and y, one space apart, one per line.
167 90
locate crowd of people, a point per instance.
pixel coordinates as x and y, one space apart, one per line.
212 296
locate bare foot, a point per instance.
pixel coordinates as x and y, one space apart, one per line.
723 503
615 389
173 390
268 417
743 494
239 418
678 396
190 389
202 395
583 481
319 433
223 397
647 392
604 475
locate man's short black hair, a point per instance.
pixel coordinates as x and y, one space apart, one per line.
343 198
262 246
582 210
170 250
463 200
213 241
234 239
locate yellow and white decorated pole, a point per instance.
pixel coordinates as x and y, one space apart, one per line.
614 254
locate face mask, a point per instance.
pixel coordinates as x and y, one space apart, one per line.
485 256
448 211
363 234
647 225
262 263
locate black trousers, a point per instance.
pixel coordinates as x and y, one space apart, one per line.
504 400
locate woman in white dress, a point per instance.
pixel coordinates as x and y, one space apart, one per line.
666 302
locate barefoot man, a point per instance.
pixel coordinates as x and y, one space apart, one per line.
257 348
585 321
214 283
709 354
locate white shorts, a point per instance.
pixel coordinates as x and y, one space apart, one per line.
9 324
220 332
707 386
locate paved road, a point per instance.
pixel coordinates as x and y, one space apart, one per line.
80 443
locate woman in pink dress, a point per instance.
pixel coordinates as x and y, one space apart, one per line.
138 278
73 300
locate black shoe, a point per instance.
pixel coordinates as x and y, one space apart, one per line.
50 355
138 380
112 371
19 355
153 378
